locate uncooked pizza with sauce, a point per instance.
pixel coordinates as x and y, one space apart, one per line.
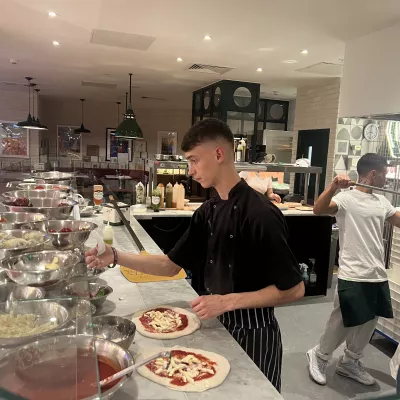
188 370
165 322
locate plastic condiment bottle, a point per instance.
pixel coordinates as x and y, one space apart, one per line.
162 190
108 234
139 193
175 195
97 195
180 201
156 199
168 196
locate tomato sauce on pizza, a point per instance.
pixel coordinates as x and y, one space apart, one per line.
184 368
163 320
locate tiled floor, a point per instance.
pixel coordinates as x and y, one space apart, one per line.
301 327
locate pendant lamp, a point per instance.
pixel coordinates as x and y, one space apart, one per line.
36 120
112 133
129 128
82 128
29 123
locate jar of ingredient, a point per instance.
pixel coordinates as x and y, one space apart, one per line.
97 195
162 190
156 199
108 235
180 201
175 195
168 196
139 193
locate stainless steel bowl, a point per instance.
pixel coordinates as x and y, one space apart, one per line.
86 211
64 178
29 269
19 233
35 194
67 240
45 310
46 186
110 327
22 363
80 289
16 220
10 292
48 207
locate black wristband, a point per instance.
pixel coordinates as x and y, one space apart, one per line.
115 257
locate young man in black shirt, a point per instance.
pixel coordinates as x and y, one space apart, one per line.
238 242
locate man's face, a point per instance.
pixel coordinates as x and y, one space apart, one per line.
204 163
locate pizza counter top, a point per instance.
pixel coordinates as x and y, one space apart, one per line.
149 214
244 379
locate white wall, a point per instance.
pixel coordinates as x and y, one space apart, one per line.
317 108
370 83
102 115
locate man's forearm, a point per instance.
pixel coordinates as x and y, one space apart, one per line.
321 206
270 296
159 265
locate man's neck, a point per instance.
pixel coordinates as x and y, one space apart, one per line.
364 190
226 182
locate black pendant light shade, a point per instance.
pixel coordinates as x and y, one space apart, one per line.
82 128
129 128
29 123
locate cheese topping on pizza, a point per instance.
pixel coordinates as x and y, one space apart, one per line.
183 368
163 320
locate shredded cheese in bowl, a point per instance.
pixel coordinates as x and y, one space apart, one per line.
22 325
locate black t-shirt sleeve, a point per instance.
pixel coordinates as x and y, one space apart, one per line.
280 267
191 249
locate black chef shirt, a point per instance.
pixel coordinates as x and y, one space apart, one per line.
239 244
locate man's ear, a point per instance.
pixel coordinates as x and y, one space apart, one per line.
220 153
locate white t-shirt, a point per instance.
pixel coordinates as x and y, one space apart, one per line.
256 182
361 217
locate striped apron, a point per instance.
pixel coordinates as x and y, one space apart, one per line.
257 332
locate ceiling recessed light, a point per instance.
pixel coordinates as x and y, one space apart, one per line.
55 43
290 61
179 59
52 14
259 69
207 37
305 51
266 49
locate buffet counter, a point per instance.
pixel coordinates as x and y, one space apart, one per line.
244 379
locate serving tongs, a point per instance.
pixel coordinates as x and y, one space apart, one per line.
120 374
374 188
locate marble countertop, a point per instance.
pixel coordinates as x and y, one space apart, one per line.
149 214
244 380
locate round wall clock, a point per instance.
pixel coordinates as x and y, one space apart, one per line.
371 132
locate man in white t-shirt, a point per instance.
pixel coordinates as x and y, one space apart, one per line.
363 293
260 184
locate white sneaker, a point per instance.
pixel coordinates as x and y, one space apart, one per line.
355 370
316 367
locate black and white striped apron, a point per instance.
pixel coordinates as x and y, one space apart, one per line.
257 331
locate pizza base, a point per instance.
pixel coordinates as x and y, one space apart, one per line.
193 324
222 369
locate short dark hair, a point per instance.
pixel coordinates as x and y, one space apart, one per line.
369 162
205 130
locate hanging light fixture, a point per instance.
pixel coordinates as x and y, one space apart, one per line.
36 122
42 127
118 104
82 128
29 123
129 128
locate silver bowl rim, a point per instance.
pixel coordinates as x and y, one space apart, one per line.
54 234
45 217
2 262
47 239
72 203
109 288
8 196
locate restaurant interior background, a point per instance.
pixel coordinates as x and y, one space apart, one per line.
315 80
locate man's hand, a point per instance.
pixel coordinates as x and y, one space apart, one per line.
95 261
275 197
341 182
211 306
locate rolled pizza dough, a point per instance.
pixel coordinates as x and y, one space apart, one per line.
222 369
193 324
